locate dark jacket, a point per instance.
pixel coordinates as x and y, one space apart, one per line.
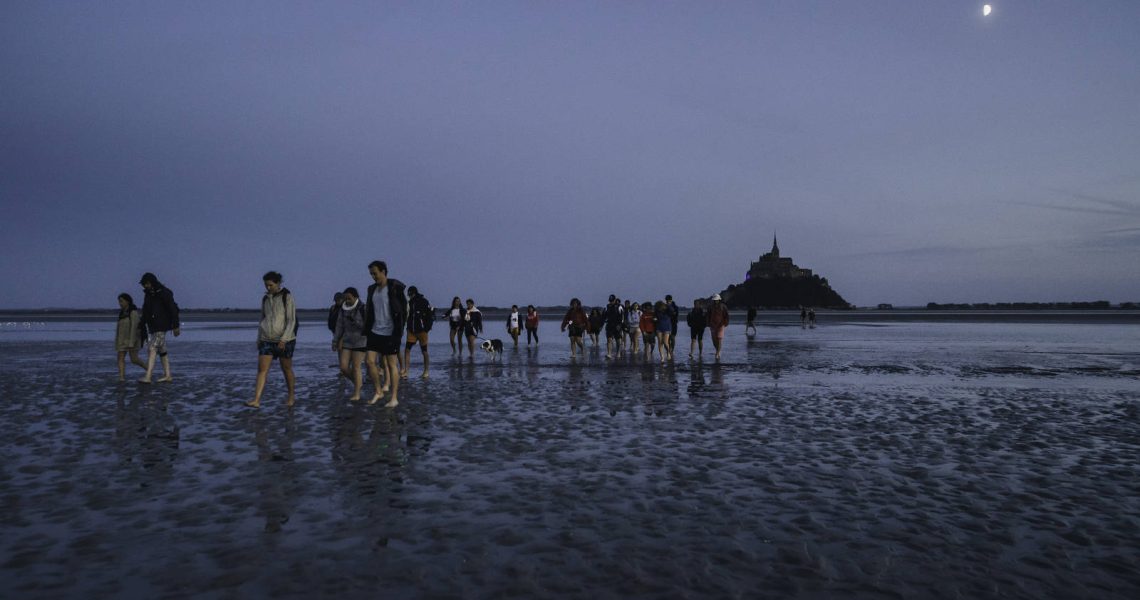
334 316
159 312
420 314
396 301
473 322
697 319
614 316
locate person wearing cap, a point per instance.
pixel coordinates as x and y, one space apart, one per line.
718 321
159 315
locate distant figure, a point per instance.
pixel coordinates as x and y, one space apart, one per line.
129 334
384 324
350 340
664 330
811 318
577 321
531 324
420 318
159 315
718 322
697 320
455 322
514 324
595 326
632 326
647 324
675 319
614 318
276 336
625 337
334 313
750 326
803 317
472 325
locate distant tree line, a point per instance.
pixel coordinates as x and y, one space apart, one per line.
1098 305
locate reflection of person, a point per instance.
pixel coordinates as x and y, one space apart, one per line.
531 324
420 318
159 315
472 325
384 324
128 334
276 336
350 341
514 324
577 321
718 322
750 325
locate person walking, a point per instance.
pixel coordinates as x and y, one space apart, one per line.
472 325
455 323
647 325
577 321
718 322
664 316
594 325
811 318
129 334
384 322
350 340
614 318
276 336
334 313
675 319
514 324
803 317
420 318
159 315
632 327
697 320
531 324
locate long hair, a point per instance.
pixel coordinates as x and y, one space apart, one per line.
130 305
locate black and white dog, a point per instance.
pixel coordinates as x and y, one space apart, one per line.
495 347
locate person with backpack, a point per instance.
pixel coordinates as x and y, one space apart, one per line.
613 317
159 315
129 334
697 320
577 321
633 326
334 316
276 336
420 318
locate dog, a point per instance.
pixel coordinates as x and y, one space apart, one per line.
495 347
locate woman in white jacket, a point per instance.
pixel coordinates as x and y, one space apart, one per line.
276 335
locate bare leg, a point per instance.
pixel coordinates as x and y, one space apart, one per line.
424 351
346 369
122 365
357 375
134 353
290 380
407 361
393 363
263 363
374 373
151 356
471 345
166 378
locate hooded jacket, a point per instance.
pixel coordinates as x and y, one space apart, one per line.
278 317
159 311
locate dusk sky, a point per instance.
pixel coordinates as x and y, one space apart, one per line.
909 151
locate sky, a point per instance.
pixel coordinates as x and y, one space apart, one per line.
528 152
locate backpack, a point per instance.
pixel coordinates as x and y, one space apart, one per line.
296 319
425 313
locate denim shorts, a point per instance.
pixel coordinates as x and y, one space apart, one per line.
271 349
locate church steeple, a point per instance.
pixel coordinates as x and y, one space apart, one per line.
775 246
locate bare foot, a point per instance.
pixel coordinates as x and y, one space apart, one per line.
144 380
166 379
375 398
354 399
424 376
391 403
253 404
290 401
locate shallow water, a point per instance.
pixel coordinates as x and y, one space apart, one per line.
871 460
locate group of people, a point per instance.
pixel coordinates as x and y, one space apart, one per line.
651 325
367 330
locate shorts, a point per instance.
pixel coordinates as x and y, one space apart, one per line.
513 331
697 333
157 342
455 325
576 331
716 333
613 331
386 345
649 338
419 336
271 349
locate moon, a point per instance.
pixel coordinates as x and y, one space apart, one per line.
986 10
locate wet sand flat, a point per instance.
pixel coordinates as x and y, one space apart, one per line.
900 460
